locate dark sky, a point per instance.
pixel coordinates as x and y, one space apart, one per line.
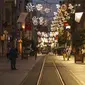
50 4
49 1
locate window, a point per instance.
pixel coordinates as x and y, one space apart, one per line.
7 15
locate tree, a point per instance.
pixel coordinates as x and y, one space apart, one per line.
26 42
62 39
82 36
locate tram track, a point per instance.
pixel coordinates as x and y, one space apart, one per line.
68 72
71 74
49 71
55 70
40 76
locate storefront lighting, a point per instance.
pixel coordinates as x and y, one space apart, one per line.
23 25
3 37
68 27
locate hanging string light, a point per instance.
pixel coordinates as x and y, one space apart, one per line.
41 20
57 6
47 10
35 20
39 7
30 7
63 14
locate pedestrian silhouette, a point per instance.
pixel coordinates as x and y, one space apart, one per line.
35 49
12 56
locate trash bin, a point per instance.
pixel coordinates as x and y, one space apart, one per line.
79 58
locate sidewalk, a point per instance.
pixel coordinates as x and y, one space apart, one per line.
77 69
15 77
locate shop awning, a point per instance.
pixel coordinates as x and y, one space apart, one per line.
22 17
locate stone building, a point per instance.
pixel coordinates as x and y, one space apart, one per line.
7 20
9 13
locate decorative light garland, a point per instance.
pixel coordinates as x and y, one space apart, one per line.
63 15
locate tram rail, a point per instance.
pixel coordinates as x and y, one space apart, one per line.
56 71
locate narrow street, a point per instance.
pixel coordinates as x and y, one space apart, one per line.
42 42
50 72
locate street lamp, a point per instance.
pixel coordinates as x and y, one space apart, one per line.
77 20
78 16
76 39
21 23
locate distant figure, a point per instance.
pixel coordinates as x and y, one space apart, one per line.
64 54
68 52
55 51
13 54
7 54
83 51
35 49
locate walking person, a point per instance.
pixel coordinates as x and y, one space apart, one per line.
35 54
64 54
35 49
83 51
13 54
68 52
7 54
54 51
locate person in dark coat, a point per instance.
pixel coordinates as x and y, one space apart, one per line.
34 47
12 57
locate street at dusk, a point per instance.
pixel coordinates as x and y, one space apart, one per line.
46 70
42 42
